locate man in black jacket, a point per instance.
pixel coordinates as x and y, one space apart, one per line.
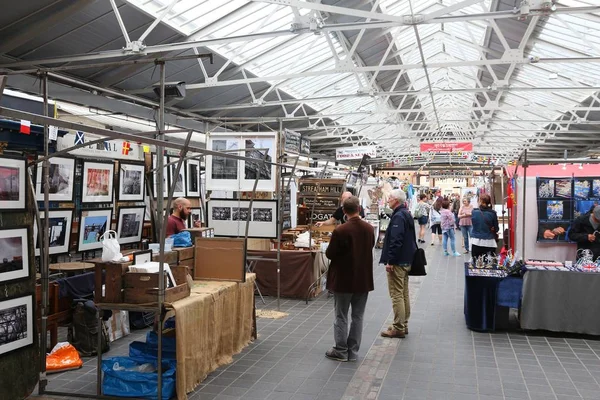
398 252
585 232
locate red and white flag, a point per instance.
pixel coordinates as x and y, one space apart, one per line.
25 127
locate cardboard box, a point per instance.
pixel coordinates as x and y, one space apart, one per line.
118 325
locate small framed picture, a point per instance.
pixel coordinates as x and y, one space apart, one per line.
132 181
142 257
61 177
196 218
178 179
155 175
92 225
14 254
16 331
97 184
12 183
59 234
193 178
130 224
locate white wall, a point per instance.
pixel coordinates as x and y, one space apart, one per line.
534 250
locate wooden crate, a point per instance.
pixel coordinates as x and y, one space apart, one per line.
149 292
184 253
113 281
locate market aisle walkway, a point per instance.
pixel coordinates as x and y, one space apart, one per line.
439 359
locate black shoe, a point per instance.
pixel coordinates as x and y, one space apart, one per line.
333 354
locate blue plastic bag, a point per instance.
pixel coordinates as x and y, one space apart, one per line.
182 239
125 383
168 343
143 351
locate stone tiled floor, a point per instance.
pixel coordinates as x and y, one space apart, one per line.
439 359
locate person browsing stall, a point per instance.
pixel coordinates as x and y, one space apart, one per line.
181 212
485 228
338 215
399 248
584 231
350 278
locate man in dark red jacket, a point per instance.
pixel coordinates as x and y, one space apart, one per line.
350 278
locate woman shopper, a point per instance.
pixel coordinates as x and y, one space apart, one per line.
435 220
448 226
422 215
465 222
485 228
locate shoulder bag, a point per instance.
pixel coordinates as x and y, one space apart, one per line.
492 228
419 262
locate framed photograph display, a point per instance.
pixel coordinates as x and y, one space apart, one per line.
228 217
230 174
92 225
59 231
142 257
193 178
97 186
61 176
12 183
179 180
130 224
17 316
132 182
155 175
14 254
196 215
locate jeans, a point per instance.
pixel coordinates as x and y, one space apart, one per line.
347 344
466 233
449 234
398 288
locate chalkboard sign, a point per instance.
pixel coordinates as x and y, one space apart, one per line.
320 202
291 143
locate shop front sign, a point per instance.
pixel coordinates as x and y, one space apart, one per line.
115 149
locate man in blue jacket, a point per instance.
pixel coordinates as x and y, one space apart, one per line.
398 252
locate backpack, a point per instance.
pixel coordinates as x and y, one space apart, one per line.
83 331
436 217
418 211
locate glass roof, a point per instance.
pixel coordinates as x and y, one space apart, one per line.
449 98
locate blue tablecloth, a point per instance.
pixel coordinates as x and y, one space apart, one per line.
483 294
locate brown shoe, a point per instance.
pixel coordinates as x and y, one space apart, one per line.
392 333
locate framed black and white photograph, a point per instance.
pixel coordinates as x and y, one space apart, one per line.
196 218
14 254
228 217
142 257
222 173
59 232
130 224
132 182
155 175
193 178
12 183
177 179
61 178
16 323
256 146
97 186
92 225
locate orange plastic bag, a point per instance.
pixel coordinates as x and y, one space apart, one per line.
63 357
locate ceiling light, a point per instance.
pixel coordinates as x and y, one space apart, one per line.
553 75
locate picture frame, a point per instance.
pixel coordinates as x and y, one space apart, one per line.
14 254
155 176
60 225
130 224
227 174
196 214
19 311
142 257
92 225
12 183
228 217
61 176
193 178
132 182
180 187
97 184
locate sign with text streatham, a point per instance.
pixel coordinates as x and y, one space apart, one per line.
355 153
446 147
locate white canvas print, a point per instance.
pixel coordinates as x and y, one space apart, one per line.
61 176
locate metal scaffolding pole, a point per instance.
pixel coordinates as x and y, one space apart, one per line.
524 205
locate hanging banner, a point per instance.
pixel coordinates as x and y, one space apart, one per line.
291 142
446 147
116 149
355 153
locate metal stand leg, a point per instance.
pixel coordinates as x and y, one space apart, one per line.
250 268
